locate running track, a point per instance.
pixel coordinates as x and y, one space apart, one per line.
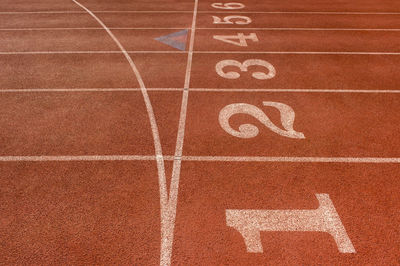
264 133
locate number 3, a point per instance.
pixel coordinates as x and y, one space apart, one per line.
243 67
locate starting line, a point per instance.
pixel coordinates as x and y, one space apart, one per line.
199 52
205 12
196 89
395 160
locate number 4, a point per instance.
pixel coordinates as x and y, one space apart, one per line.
240 37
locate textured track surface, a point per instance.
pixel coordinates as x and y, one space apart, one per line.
268 135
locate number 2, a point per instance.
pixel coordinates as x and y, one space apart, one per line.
250 131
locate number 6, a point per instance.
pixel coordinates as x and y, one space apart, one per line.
243 67
228 5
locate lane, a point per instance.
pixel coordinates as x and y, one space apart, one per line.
170 5
83 40
74 212
37 5
63 71
187 6
333 125
96 5
82 20
311 5
300 40
85 123
364 197
298 71
11 41
206 20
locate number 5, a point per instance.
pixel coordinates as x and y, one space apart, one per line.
243 67
228 20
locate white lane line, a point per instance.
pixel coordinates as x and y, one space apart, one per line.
291 159
298 52
195 89
96 12
215 28
202 12
90 52
306 12
292 90
168 236
90 28
42 12
197 52
301 29
86 90
81 158
59 52
44 158
149 108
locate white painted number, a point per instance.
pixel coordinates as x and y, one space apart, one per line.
239 20
240 37
243 67
249 223
250 131
228 6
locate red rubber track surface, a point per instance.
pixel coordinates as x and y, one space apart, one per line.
80 182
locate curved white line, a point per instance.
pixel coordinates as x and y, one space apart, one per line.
153 123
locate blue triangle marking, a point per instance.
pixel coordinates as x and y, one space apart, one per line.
168 40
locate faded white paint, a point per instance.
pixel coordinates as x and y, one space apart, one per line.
249 130
249 223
